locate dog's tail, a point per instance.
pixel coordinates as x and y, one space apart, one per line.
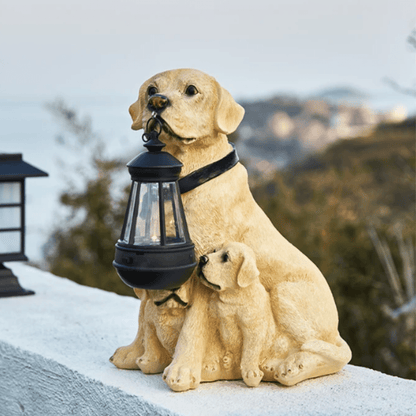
338 353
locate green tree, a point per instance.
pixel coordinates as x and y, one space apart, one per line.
81 247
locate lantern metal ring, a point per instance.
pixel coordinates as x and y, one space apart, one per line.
154 118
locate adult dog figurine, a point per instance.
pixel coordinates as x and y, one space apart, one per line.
197 114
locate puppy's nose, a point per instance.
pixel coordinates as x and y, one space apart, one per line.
157 102
203 260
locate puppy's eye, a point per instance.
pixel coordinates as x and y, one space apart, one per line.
225 257
191 90
151 91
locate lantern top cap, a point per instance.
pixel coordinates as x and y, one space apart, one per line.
13 167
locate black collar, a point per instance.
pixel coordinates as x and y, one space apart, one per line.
205 174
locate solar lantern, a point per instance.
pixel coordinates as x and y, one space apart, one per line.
154 250
13 172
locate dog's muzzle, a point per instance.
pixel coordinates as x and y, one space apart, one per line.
203 260
158 103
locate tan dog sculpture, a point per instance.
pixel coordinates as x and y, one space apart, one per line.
198 114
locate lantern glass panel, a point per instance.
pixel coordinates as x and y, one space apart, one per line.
10 193
130 213
173 217
10 217
147 232
10 242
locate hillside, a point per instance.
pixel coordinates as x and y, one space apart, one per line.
327 206
280 130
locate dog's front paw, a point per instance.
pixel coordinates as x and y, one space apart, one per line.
252 376
151 364
125 357
181 377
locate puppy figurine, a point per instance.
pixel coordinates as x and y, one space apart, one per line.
197 114
242 306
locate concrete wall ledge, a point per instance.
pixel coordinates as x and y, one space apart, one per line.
54 350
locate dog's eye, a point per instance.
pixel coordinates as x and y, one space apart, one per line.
191 90
225 257
151 91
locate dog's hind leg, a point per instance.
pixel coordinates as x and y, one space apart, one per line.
315 358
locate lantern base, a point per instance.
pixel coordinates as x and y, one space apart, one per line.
162 279
154 268
9 284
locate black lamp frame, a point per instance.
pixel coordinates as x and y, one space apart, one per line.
20 256
163 266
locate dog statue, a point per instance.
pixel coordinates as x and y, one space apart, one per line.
242 308
197 114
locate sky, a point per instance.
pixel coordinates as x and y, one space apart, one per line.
52 48
96 54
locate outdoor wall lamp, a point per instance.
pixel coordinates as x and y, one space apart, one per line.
154 250
13 171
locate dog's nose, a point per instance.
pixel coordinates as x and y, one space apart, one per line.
203 260
157 102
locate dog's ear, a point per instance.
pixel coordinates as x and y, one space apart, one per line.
136 109
248 270
136 115
228 114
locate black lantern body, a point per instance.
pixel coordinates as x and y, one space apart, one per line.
13 172
154 250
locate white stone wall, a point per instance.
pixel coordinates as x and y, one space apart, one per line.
54 350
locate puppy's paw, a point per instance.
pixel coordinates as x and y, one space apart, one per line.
181 377
210 367
228 360
125 357
151 364
252 376
270 365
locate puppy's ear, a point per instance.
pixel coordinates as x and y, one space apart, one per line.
248 270
228 113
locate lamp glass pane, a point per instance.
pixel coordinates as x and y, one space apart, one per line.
10 217
129 215
10 193
147 232
10 242
173 218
